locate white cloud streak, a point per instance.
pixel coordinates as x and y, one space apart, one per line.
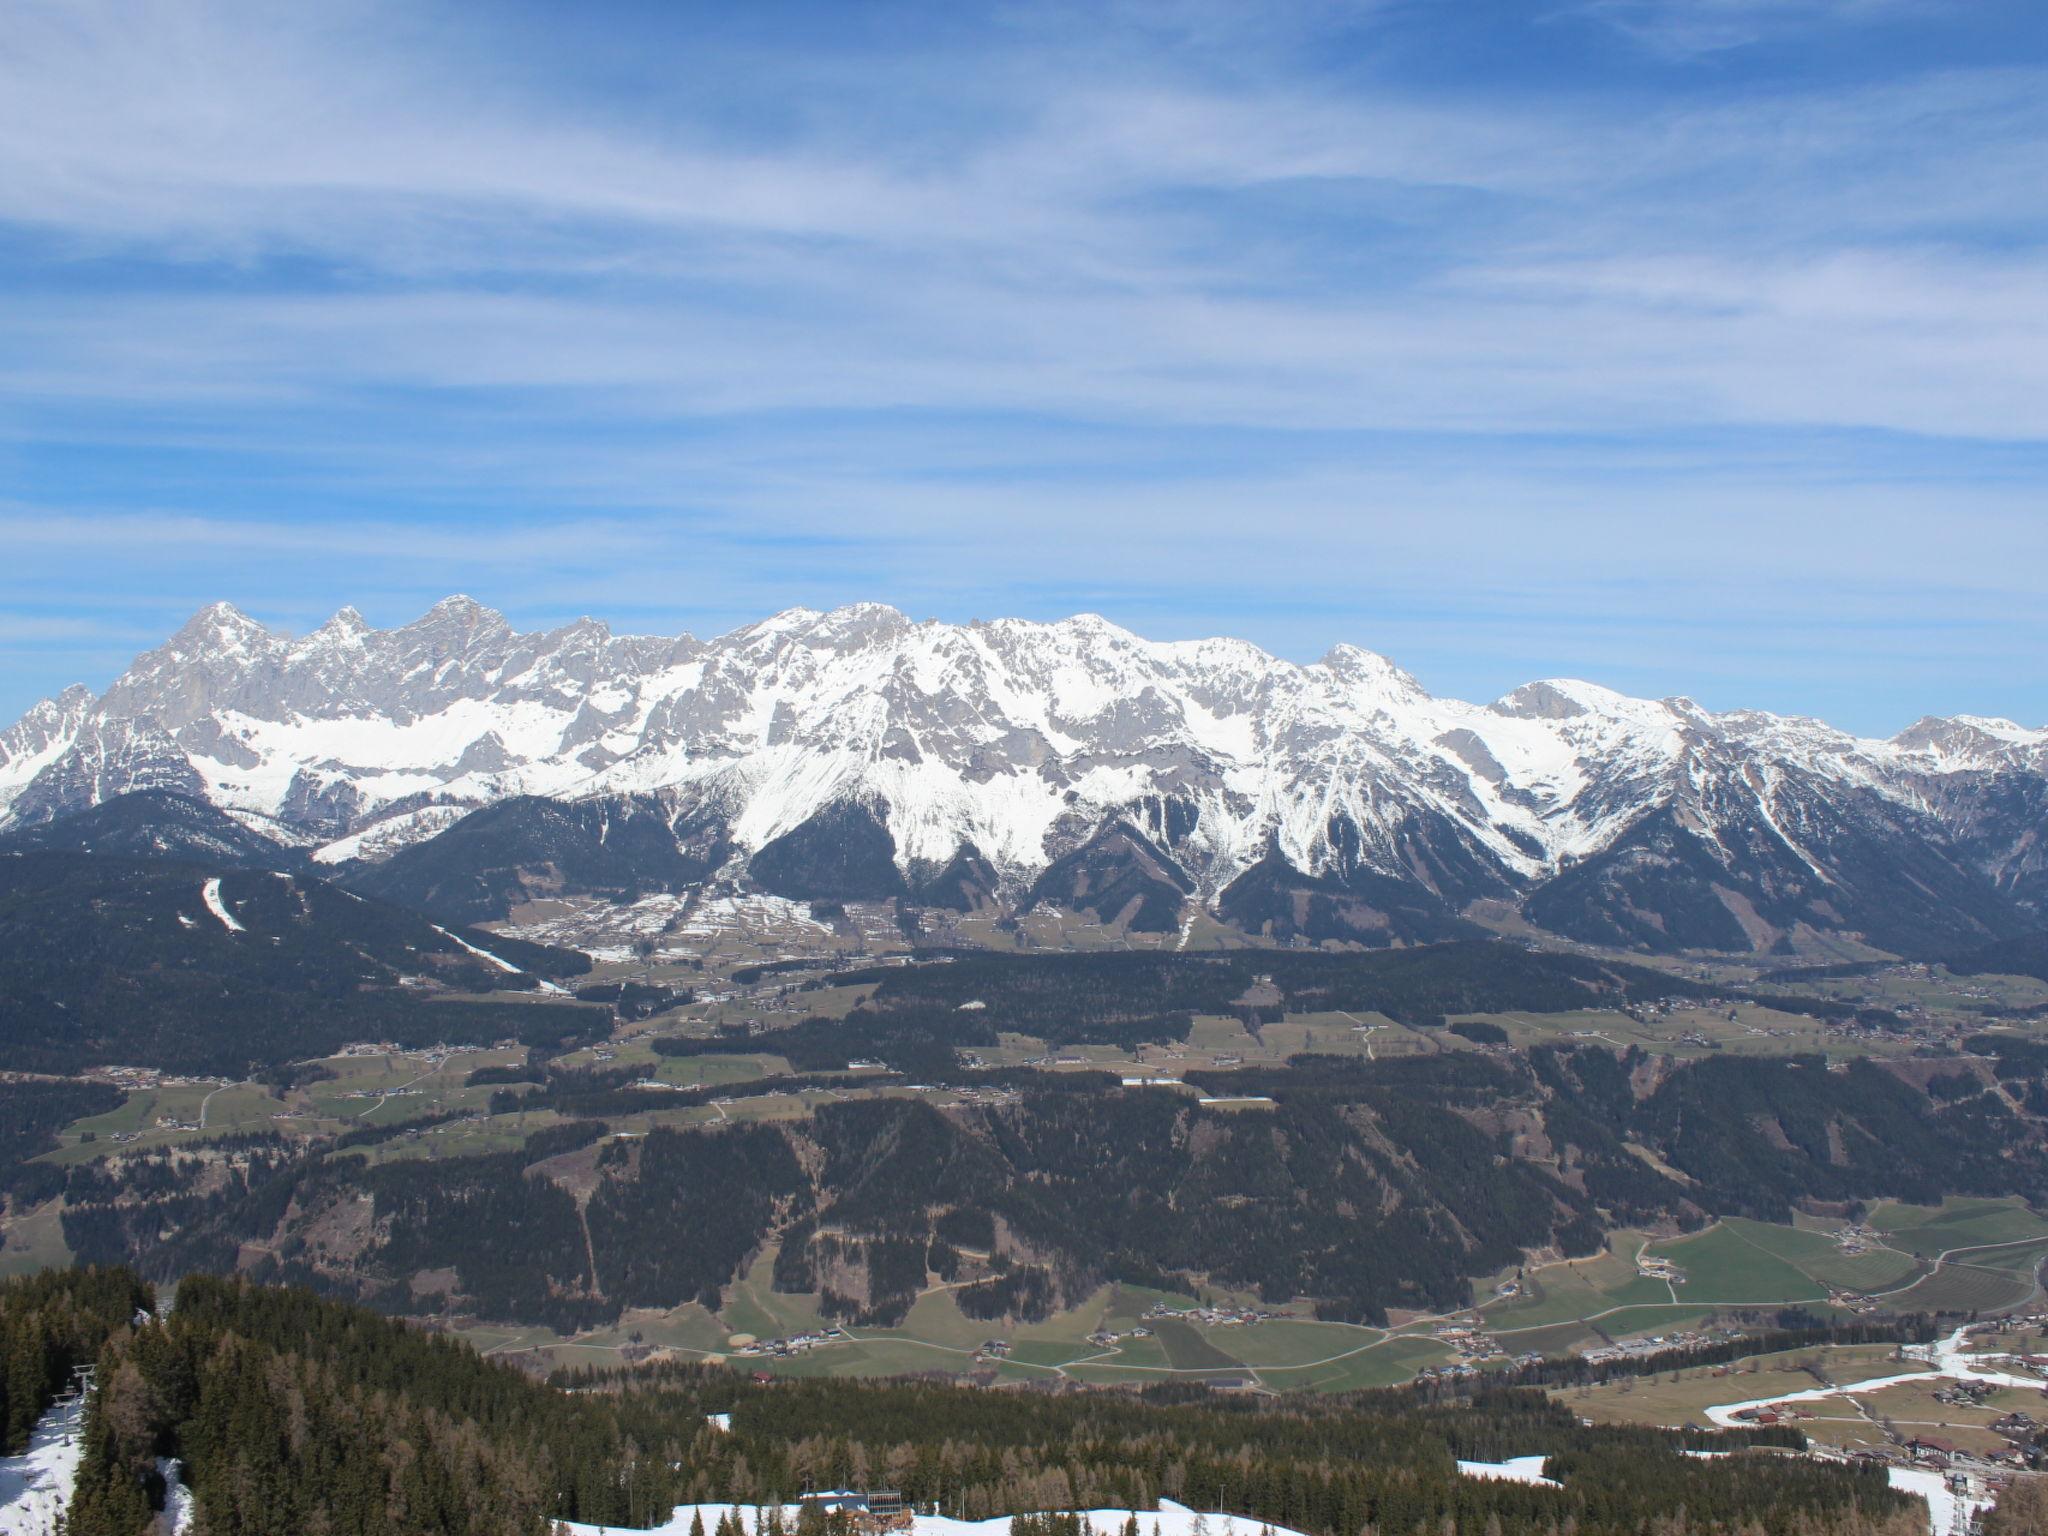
384 256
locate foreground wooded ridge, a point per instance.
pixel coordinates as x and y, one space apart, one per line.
292 1413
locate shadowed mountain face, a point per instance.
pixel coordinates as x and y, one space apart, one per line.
1278 901
203 967
1121 877
1653 823
967 883
844 853
528 848
2026 955
155 824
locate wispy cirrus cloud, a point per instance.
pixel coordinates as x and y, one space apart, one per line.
355 298
1692 28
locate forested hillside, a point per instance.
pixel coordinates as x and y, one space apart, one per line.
1363 1186
287 1413
920 1016
202 968
51 1324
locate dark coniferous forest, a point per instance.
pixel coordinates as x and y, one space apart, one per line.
285 1412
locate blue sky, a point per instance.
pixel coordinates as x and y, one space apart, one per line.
1692 346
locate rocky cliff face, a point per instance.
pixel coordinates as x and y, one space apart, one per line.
1616 819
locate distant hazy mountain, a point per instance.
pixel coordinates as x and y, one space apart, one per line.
858 754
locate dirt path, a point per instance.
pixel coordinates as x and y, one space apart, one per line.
589 1248
384 1094
1370 1031
208 1100
1942 1258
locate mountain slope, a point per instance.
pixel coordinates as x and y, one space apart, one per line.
1121 877
1278 901
1027 740
190 967
843 853
967 883
154 824
526 848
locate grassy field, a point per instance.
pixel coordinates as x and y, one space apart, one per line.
141 1119
1815 1254
691 1071
754 1306
1372 1364
1752 1030
1723 1266
1579 1288
1927 1230
36 1241
1675 1398
1738 1262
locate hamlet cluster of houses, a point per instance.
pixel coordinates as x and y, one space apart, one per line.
1209 1316
783 1348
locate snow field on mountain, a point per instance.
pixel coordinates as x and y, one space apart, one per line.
1015 736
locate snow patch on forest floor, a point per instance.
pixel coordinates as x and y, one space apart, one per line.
210 894
1516 1469
1169 1519
35 1487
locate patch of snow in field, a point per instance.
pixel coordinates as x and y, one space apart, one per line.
717 913
1946 1356
1170 1519
210 894
1725 1416
35 1487
1516 1469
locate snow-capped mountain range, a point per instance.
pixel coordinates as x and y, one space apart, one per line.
1336 785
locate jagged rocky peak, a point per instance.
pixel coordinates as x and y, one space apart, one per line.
1567 698
1368 669
906 742
461 618
1971 737
49 716
220 626
346 627
858 624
